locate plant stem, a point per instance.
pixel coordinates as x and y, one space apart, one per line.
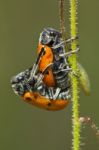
74 80
62 21
61 15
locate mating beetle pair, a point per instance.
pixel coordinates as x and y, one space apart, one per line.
47 84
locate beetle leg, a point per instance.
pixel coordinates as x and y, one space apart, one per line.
65 41
67 69
76 74
56 93
69 53
41 76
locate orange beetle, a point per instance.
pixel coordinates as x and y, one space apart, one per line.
54 53
38 96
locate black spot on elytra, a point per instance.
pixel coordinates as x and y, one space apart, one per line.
47 72
44 52
35 96
28 99
40 71
49 104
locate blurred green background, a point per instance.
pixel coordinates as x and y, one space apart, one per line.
22 126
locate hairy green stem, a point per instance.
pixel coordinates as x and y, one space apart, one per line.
74 80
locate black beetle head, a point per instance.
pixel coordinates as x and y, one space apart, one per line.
20 82
50 37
